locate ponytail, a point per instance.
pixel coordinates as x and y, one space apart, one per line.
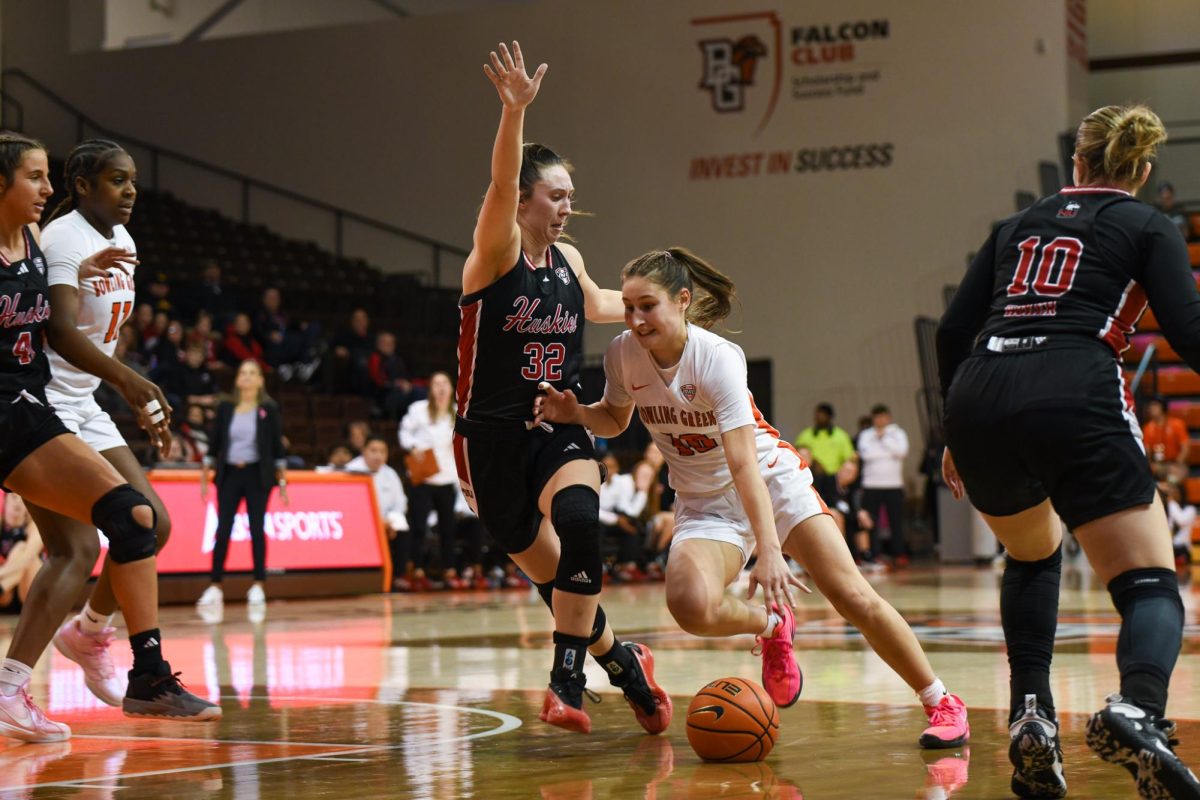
678 268
1116 143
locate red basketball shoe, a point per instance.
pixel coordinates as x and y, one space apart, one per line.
781 675
947 724
651 705
562 706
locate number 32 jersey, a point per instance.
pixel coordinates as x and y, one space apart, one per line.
688 407
104 303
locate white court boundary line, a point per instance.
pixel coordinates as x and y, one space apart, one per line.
508 723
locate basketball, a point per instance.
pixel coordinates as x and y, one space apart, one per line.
732 719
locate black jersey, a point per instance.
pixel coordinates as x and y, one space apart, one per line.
525 328
24 310
1080 263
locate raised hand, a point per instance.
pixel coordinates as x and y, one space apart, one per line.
513 84
98 264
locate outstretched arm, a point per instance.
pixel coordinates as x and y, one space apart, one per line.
497 239
599 305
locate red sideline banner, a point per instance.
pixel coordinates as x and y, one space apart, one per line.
332 522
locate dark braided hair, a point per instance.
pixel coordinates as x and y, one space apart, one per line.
13 147
87 160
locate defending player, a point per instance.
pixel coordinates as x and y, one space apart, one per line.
740 490
1038 420
525 298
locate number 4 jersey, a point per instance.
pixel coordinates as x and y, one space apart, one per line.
104 303
689 406
24 310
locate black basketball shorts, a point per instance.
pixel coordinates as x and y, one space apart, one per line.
25 425
1054 422
502 468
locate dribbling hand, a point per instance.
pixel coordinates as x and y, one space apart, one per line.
950 475
513 84
555 406
771 572
98 264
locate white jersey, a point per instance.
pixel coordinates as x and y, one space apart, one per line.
687 411
104 303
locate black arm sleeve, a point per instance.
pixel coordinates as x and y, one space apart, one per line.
1171 288
967 312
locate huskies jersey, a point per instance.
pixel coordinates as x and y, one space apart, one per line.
687 411
1083 262
104 303
24 310
525 328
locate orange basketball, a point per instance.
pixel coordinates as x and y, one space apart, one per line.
732 719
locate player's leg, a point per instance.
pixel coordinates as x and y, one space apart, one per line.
697 576
1131 552
85 637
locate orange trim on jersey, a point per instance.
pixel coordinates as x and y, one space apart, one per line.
821 500
760 423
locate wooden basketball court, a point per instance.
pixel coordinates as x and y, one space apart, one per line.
436 696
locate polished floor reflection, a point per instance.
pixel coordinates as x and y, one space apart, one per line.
436 696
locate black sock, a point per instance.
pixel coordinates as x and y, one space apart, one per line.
1029 614
569 652
619 664
147 650
1151 634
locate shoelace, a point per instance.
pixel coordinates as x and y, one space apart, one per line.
38 716
940 715
175 685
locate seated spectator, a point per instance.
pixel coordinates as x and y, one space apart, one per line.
194 430
212 296
190 383
157 294
357 432
843 495
352 348
20 554
339 457
390 384
427 435
201 333
168 351
1166 441
142 324
830 445
1171 209
621 507
179 454
1181 517
393 510
650 475
291 349
240 344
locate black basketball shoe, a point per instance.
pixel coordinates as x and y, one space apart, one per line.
1123 733
1036 754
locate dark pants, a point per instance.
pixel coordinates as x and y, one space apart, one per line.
238 483
893 501
421 500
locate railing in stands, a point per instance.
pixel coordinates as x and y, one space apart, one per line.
85 125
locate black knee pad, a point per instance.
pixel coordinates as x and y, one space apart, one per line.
575 513
128 540
546 590
1131 587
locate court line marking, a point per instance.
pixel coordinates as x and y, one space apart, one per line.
508 723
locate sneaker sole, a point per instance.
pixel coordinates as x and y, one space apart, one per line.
26 735
150 710
930 742
1033 757
1157 777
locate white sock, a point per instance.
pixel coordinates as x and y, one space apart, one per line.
932 694
13 675
773 621
92 621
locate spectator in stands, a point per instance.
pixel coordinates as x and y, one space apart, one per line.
201 333
1172 210
621 507
830 445
181 453
882 448
1166 442
1181 517
191 383
168 351
393 511
390 384
247 450
211 296
427 433
289 348
357 433
128 350
194 430
339 457
143 325
353 347
650 475
240 344
20 554
844 498
157 294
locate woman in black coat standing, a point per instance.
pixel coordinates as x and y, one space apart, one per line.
246 449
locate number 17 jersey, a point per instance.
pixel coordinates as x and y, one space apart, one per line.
688 407
104 303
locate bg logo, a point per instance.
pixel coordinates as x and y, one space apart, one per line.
729 68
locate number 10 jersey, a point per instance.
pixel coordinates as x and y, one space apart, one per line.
104 303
